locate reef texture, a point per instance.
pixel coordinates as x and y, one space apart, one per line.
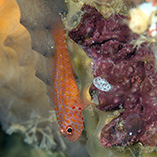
129 70
24 103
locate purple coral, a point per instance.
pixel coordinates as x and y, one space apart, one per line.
130 72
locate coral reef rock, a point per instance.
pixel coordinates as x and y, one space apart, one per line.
126 71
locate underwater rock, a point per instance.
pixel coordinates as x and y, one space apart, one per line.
121 131
129 70
96 36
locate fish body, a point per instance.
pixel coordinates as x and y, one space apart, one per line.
66 97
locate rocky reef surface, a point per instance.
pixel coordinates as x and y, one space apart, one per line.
125 77
25 105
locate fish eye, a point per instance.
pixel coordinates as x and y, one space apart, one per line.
69 130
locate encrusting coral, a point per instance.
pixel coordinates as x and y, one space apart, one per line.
127 78
128 74
24 104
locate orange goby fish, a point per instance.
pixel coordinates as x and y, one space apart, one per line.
66 97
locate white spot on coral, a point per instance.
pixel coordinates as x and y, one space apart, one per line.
102 84
142 17
130 133
147 8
